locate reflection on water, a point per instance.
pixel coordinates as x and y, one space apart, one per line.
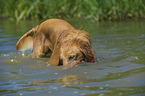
67 80
119 70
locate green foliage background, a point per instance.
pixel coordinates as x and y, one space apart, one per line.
92 9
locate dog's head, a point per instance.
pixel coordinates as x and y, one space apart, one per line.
73 48
72 54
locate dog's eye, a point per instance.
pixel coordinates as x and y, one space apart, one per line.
71 58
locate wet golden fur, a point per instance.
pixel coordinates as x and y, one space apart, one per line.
61 40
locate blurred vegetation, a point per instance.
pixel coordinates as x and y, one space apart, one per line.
93 9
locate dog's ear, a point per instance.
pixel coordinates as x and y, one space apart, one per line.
89 54
26 41
54 59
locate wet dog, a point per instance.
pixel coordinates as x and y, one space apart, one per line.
60 39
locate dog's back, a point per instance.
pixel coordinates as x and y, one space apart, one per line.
50 29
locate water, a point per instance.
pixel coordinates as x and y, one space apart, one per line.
119 70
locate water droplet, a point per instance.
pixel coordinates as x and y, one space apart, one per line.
85 72
107 85
87 86
82 94
101 94
63 86
12 60
101 88
55 88
75 92
5 54
136 58
120 93
23 54
48 65
21 93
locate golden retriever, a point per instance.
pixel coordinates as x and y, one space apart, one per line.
60 39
